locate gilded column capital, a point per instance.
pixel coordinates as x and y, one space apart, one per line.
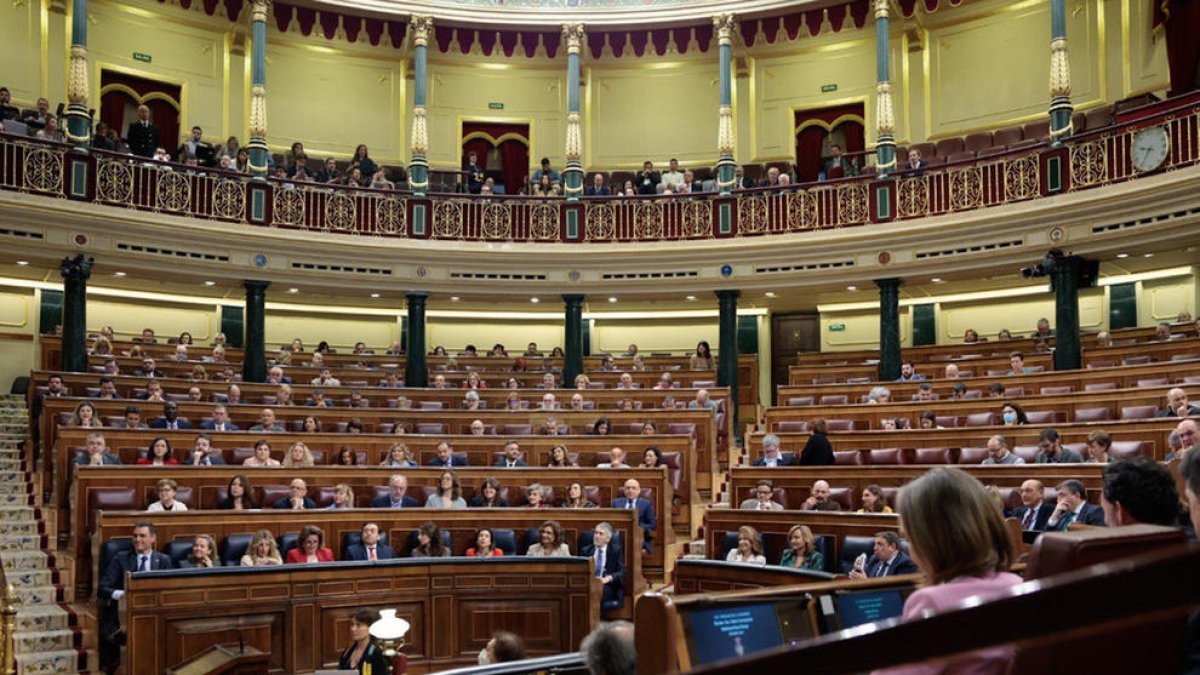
258 11
420 132
1060 68
422 26
77 76
573 34
725 25
881 9
574 148
885 115
258 111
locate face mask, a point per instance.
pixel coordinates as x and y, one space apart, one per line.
1010 418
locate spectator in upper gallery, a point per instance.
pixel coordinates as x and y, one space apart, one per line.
647 181
836 159
785 180
39 118
998 453
772 179
1178 405
597 188
1052 451
379 180
7 110
546 171
242 165
193 147
362 161
772 457
142 135
970 336
545 187
908 372
330 174
229 149
50 132
916 164
740 180
1043 329
673 177
1017 362
472 173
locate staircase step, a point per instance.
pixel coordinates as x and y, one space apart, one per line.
37 642
20 542
49 663
30 578
36 595
43 618
17 561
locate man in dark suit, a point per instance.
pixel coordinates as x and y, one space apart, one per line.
512 457
472 174
916 166
1178 405
445 456
1034 511
7 110
297 499
646 182
203 453
645 510
1073 507
96 452
610 566
772 457
142 135
149 369
597 188
741 181
220 420
54 389
170 418
396 498
143 558
888 560
371 548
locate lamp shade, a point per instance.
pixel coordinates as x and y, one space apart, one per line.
389 626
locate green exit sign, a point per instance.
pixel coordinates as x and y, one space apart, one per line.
837 327
144 58
495 106
826 88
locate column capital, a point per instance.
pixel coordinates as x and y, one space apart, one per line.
254 285
573 298
258 11
421 26
881 9
889 283
76 269
728 294
416 296
573 34
725 25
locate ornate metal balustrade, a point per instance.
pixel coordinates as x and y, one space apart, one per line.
1090 160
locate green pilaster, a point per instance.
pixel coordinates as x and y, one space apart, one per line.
418 167
257 146
254 364
726 143
573 347
1060 74
1067 277
889 329
885 144
728 359
415 372
75 273
573 173
79 123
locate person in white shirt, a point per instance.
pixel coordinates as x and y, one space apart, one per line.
166 498
748 549
326 379
672 177
617 460
762 500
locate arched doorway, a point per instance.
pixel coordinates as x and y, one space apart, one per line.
502 151
817 130
121 94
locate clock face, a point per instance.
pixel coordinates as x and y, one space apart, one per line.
1149 149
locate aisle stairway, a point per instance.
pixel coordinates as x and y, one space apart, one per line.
48 638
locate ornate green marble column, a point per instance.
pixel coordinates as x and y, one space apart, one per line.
416 373
885 113
889 329
1060 74
727 362
1067 277
418 167
254 364
257 146
79 123
573 173
75 273
726 138
573 347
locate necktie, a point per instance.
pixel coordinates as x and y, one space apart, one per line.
1027 523
599 562
142 563
631 504
371 554
883 568
1067 521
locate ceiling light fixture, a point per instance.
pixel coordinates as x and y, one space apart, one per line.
374 295
293 290
1147 255
210 283
454 298
118 274
690 298
612 299
936 280
22 263
852 288
535 300
770 294
1122 255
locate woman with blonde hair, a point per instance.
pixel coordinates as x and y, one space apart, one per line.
399 457
204 552
101 346
199 374
298 455
343 497
802 550
582 381
84 416
748 549
262 551
957 538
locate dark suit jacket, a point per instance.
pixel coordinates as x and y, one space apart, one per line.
286 503
212 426
645 512
113 578
614 566
359 552
385 502
593 191
817 451
1039 520
785 459
646 187
916 169
744 183
454 461
504 463
213 460
142 140
1089 514
82 459
161 423
1193 411
477 502
472 174
901 564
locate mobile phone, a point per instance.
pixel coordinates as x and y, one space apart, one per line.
860 561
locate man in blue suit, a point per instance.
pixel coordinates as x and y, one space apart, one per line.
396 497
203 453
1034 511
610 566
445 456
143 558
645 510
220 420
371 548
170 418
1073 507
888 560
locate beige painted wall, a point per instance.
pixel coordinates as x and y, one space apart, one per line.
18 326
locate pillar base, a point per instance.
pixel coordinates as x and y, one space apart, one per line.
573 180
418 176
257 148
726 181
79 128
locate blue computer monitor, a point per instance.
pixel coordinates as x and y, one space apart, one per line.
729 631
855 609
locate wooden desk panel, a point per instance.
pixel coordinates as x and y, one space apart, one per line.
301 614
205 481
712 576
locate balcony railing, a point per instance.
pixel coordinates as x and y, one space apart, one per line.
1090 160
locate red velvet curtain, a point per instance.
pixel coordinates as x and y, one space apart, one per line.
163 113
1180 20
809 143
510 141
514 158
818 125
